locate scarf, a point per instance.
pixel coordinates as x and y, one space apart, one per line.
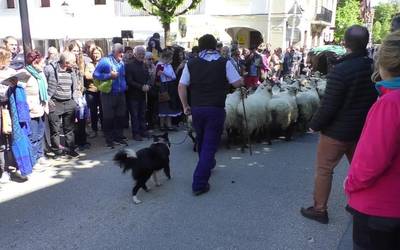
41 83
21 146
387 86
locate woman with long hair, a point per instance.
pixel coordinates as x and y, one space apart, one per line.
91 92
373 182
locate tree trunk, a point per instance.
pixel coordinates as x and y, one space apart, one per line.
167 34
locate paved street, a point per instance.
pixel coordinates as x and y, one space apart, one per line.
253 203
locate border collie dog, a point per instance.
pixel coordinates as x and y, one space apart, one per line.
145 163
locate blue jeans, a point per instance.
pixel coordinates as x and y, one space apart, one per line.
37 136
208 123
93 101
137 111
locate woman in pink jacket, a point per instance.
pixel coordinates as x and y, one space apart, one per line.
373 181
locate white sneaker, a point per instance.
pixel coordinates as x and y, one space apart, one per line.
5 178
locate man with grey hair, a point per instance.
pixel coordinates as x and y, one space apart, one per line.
110 73
63 91
137 78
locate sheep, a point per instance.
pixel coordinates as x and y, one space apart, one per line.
284 112
232 124
258 115
307 102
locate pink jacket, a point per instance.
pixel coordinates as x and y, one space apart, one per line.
373 181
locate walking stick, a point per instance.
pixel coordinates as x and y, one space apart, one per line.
246 123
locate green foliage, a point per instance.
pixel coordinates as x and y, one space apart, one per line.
166 10
384 13
347 14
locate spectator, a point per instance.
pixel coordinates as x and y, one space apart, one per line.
208 77
52 55
137 78
89 46
395 24
154 46
237 61
168 107
92 94
8 168
348 97
195 52
253 65
372 184
63 91
110 71
128 55
225 52
152 100
17 56
37 98
82 109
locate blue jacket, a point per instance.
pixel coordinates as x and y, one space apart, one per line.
103 73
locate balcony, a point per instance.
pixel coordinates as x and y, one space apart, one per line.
324 16
122 8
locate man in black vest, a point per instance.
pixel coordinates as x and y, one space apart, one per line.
209 77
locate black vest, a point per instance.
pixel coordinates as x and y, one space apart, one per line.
208 83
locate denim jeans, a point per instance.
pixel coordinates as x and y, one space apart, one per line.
37 136
94 104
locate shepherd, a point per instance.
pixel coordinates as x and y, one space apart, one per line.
208 77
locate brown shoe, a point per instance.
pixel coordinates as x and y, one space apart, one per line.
312 214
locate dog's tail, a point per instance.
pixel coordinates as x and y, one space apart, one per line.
122 158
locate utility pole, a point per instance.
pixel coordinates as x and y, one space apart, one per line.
26 32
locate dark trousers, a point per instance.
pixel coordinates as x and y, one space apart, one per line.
152 111
209 124
94 104
80 132
113 106
137 110
376 233
37 136
65 113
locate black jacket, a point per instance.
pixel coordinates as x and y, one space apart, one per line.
348 97
136 75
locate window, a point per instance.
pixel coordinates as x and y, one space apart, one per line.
45 3
10 4
99 2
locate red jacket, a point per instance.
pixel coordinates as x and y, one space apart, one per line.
373 181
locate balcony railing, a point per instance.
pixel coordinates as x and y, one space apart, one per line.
325 15
122 8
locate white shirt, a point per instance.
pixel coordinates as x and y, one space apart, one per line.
231 74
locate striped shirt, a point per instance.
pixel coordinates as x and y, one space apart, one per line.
64 87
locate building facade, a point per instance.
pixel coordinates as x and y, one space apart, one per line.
281 23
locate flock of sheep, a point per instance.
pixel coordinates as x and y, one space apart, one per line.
273 110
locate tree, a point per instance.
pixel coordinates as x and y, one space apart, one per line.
384 13
166 10
347 14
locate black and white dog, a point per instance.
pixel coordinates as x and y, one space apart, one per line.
145 162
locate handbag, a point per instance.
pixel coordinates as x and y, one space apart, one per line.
6 124
163 97
103 86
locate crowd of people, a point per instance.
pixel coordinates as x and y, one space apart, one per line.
137 87
48 103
